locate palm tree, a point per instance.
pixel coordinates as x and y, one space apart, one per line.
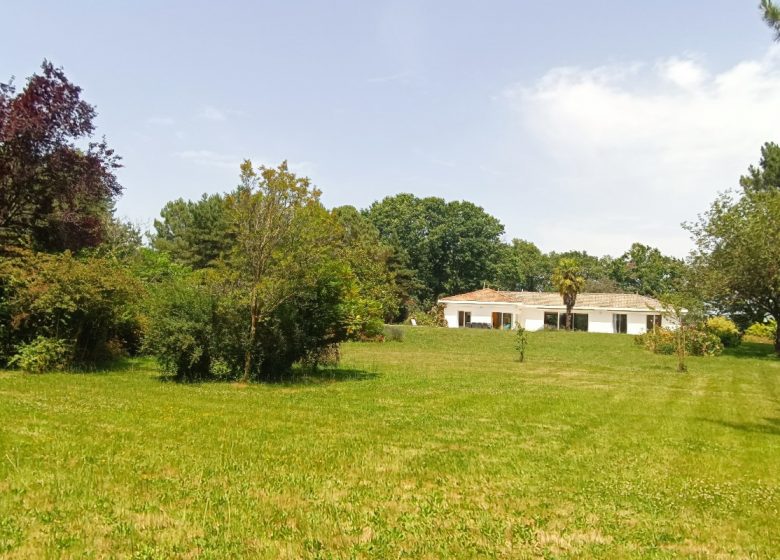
568 281
771 14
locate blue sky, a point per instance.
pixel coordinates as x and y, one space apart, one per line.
581 125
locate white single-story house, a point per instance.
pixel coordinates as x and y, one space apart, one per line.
602 313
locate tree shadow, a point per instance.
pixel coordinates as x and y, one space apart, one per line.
769 426
295 377
124 364
754 350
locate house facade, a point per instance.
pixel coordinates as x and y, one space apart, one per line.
603 313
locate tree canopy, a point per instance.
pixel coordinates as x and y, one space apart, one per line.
568 281
738 243
54 193
451 246
771 14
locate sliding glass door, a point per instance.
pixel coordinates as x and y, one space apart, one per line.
620 323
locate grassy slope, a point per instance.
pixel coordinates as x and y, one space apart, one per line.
439 446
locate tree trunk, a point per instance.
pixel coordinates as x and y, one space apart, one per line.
568 319
777 341
681 367
252 336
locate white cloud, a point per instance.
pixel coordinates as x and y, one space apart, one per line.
211 113
686 74
652 140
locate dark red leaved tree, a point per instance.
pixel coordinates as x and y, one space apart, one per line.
56 186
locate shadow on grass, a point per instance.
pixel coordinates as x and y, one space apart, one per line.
754 350
296 377
118 365
770 426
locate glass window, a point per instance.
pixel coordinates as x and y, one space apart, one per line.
653 321
580 322
551 320
620 323
464 318
506 321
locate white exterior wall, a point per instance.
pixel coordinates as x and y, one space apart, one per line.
600 321
637 323
480 312
532 318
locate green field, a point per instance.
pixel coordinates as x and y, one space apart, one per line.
440 446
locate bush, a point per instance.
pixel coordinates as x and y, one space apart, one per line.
198 327
434 317
766 330
725 329
42 355
698 342
180 330
89 302
393 333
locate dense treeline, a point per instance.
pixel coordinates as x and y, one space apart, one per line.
424 248
247 283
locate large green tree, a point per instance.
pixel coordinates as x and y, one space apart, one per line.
380 294
523 266
195 233
56 186
737 240
595 270
568 281
451 246
282 238
645 270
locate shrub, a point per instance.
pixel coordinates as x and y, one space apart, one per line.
725 329
393 333
698 342
198 327
762 330
42 355
434 317
180 330
658 340
89 302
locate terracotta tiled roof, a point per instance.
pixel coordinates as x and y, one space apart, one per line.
552 299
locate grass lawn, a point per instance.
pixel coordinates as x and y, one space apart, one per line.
440 446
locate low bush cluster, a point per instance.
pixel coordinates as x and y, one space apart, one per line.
725 329
59 311
42 355
766 330
698 342
434 317
197 327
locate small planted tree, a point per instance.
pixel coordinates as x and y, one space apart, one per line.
521 342
567 279
683 309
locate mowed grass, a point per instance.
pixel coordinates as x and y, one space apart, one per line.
440 446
